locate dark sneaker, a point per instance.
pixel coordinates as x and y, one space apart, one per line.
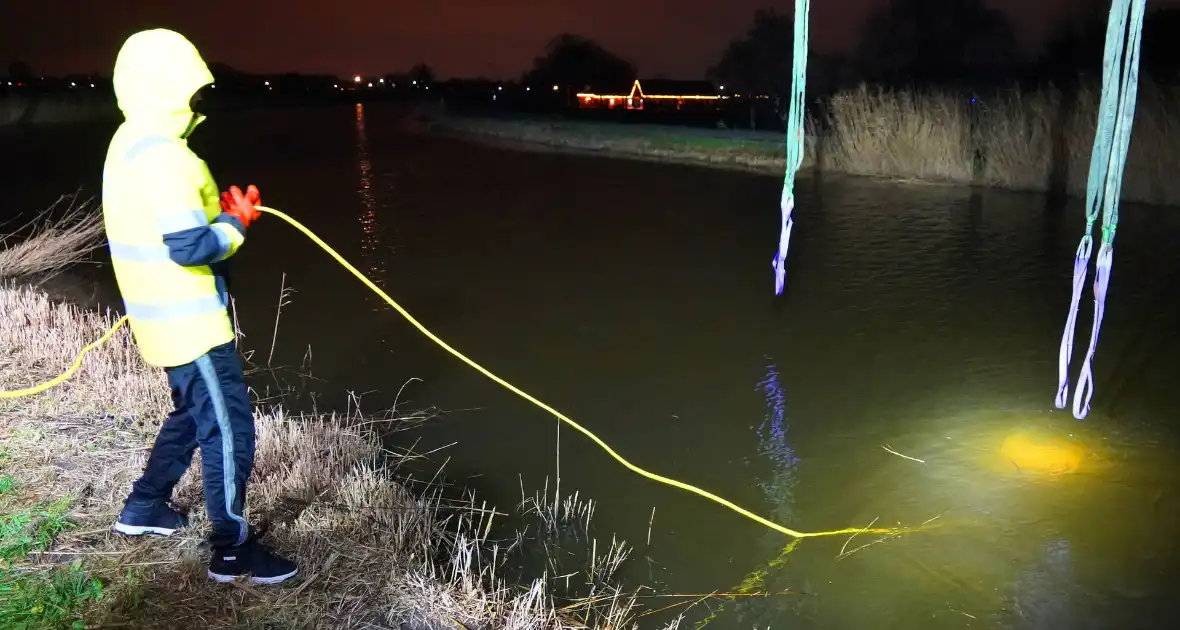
251 559
139 518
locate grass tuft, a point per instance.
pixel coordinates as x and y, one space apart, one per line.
49 600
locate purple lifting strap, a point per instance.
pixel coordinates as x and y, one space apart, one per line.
1085 389
1081 265
780 259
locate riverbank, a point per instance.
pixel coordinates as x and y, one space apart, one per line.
1037 141
55 109
376 547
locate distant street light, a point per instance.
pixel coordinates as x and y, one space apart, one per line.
356 79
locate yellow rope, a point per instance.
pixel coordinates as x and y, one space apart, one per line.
516 390
560 416
57 380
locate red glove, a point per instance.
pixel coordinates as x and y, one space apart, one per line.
235 204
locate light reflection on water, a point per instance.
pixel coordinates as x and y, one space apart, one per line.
373 250
772 437
1004 555
1044 595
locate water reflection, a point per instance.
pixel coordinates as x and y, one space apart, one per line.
1042 597
772 439
779 491
372 250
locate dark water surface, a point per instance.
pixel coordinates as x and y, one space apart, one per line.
638 299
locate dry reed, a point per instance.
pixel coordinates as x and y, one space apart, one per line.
53 240
899 135
1012 139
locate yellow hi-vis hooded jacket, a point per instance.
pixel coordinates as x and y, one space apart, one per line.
166 232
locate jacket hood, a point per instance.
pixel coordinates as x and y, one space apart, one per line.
156 74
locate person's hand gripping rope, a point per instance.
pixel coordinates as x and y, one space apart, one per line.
242 207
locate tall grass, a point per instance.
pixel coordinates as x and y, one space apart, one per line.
906 135
373 553
1011 139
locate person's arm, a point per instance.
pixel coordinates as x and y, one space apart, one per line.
206 244
175 190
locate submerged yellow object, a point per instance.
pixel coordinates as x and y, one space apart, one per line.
1053 455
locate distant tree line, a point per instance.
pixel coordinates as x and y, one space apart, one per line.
959 44
950 44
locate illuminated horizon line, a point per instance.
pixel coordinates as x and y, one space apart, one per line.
655 96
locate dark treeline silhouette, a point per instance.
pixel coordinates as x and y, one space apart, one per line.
960 45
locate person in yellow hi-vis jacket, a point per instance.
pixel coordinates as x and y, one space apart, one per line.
170 234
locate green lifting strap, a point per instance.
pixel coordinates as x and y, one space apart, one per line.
795 141
1116 117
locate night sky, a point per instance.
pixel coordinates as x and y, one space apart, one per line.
492 38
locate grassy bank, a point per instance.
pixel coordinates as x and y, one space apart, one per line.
377 549
1036 141
49 109
758 151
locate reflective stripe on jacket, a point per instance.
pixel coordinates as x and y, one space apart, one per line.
163 220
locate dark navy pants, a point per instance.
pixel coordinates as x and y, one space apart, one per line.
212 411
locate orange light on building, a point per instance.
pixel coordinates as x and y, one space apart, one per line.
635 99
589 96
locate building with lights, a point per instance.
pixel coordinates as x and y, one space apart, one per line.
655 95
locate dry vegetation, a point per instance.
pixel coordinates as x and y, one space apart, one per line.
62 235
1012 140
1023 141
376 548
